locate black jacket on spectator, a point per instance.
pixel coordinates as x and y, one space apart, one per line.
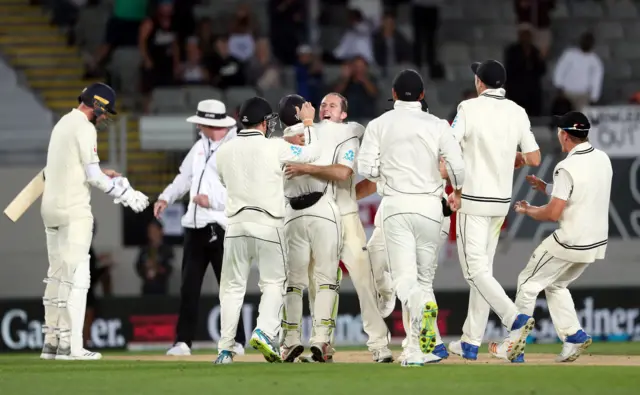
288 28
158 285
361 104
400 45
538 13
525 69
226 72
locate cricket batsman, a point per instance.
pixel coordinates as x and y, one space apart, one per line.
340 174
72 168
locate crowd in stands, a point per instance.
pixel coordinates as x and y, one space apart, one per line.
178 49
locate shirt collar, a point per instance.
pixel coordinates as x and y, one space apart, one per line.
581 149
79 113
411 105
494 93
250 133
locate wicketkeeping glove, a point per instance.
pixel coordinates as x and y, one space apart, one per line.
136 200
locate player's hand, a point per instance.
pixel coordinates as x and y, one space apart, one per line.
522 206
201 200
159 207
455 200
307 112
297 139
133 199
519 161
111 173
537 184
295 170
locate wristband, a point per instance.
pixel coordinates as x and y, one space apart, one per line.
307 122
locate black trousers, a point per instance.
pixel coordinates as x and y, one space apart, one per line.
199 251
426 21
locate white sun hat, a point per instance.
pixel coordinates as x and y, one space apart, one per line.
212 113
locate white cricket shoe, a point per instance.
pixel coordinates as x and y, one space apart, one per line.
238 349
83 355
180 349
573 346
224 358
413 359
382 355
49 352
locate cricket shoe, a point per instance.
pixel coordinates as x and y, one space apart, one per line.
224 358
309 359
261 342
438 354
573 346
386 304
320 351
64 354
180 349
49 351
238 349
427 337
289 354
464 350
522 326
501 351
413 359
382 355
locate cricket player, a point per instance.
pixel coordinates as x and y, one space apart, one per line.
339 172
72 168
489 129
400 151
250 166
581 184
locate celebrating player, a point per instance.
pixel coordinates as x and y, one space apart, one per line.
250 167
581 184
400 149
72 167
489 129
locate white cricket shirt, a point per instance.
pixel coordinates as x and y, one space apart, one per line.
198 175
583 180
347 155
305 184
251 168
72 146
490 128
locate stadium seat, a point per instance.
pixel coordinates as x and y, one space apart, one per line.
481 52
608 30
455 53
622 9
274 95
586 10
237 95
626 50
90 28
124 68
196 94
169 100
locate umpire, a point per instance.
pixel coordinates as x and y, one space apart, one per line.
205 222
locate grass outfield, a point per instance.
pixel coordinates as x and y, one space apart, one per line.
144 373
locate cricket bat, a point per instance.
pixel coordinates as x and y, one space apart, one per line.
29 194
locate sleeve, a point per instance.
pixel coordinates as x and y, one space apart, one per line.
527 141
560 70
369 155
87 139
452 154
182 182
348 152
288 153
562 184
459 124
596 84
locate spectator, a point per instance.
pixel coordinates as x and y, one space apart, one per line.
288 28
262 71
525 68
390 46
360 89
226 70
535 14
243 30
183 21
206 38
158 45
154 264
371 10
193 71
426 21
578 74
356 41
466 95
309 77
122 31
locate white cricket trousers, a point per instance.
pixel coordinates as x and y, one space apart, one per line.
355 258
313 234
553 275
68 280
244 243
411 242
477 239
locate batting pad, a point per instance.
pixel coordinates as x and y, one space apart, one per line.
292 317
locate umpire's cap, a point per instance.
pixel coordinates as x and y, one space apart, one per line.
255 111
408 85
491 73
287 109
99 95
574 122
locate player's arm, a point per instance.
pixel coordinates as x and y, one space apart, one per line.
182 182
530 151
289 153
339 171
552 211
451 154
369 156
365 188
459 124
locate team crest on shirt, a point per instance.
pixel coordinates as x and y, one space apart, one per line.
296 150
349 155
